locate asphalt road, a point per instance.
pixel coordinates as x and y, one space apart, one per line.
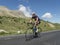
47 38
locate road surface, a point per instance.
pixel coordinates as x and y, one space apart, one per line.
47 38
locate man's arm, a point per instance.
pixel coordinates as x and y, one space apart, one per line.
31 20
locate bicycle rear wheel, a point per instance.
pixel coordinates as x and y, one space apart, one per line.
39 32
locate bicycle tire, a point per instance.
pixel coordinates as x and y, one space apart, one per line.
39 32
29 34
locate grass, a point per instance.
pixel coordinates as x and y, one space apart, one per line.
13 24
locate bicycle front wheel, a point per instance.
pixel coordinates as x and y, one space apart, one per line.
28 34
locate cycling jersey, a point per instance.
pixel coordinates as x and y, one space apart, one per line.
35 18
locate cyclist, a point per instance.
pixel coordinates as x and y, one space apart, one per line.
36 20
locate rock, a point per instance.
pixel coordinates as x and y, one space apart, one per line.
3 31
18 32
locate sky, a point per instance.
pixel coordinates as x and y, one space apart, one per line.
48 10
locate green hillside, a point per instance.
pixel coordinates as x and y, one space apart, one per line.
14 24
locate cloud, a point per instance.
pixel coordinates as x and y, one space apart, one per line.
47 15
25 10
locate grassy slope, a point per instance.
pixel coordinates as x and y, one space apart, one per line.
13 24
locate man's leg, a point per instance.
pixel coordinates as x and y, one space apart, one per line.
36 32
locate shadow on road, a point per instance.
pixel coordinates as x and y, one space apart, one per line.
31 37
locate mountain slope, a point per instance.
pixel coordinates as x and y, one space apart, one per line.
4 11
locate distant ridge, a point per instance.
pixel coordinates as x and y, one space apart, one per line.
4 11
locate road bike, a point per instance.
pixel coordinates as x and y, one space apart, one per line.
33 32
